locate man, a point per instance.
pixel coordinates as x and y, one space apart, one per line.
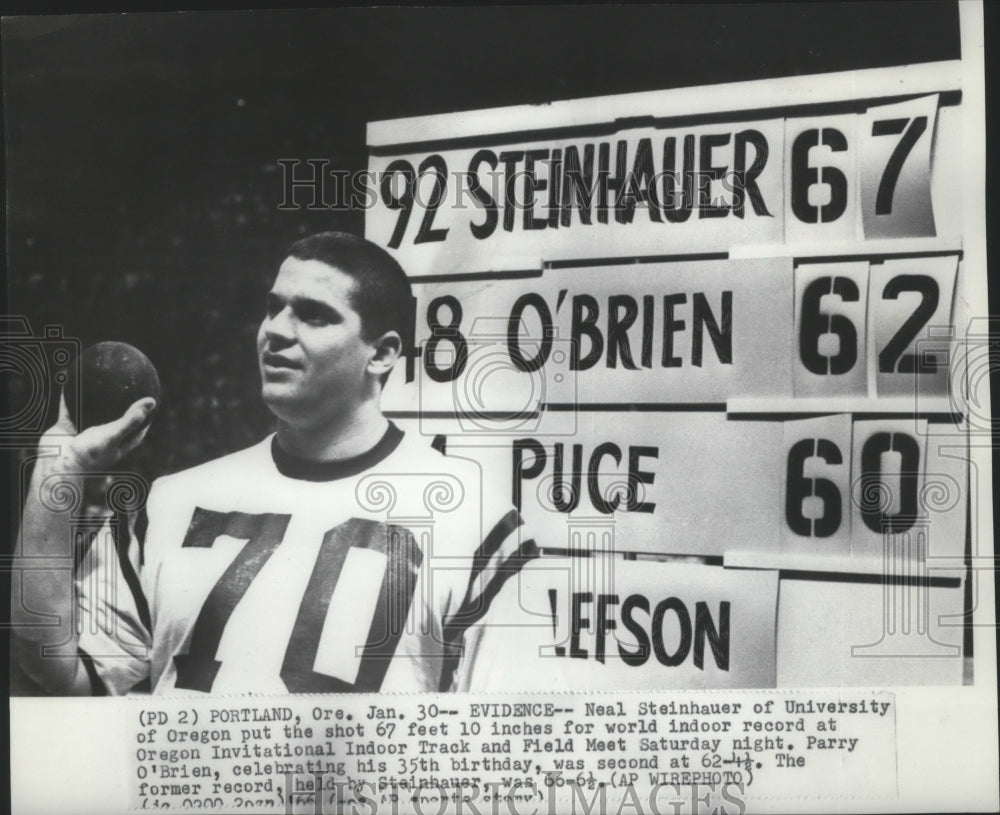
339 554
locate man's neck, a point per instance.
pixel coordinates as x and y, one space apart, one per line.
345 438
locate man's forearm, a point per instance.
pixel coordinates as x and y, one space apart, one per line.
43 596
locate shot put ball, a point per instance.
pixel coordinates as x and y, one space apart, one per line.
112 375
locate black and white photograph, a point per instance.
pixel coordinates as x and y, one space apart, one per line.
527 409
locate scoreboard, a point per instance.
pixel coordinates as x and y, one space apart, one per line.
711 342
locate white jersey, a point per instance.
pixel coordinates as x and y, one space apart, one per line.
260 573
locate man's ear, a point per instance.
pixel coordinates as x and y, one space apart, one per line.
387 350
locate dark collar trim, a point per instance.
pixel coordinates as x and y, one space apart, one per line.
306 470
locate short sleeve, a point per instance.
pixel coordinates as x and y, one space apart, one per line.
113 617
482 619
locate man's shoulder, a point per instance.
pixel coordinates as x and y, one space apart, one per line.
430 453
461 490
212 474
424 455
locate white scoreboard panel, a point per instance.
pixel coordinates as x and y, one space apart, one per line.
709 340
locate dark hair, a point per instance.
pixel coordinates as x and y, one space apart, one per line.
381 293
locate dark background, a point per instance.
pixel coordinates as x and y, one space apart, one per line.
141 165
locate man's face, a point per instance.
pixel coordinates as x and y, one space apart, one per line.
309 347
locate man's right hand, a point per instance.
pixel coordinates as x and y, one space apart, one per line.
102 445
49 653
